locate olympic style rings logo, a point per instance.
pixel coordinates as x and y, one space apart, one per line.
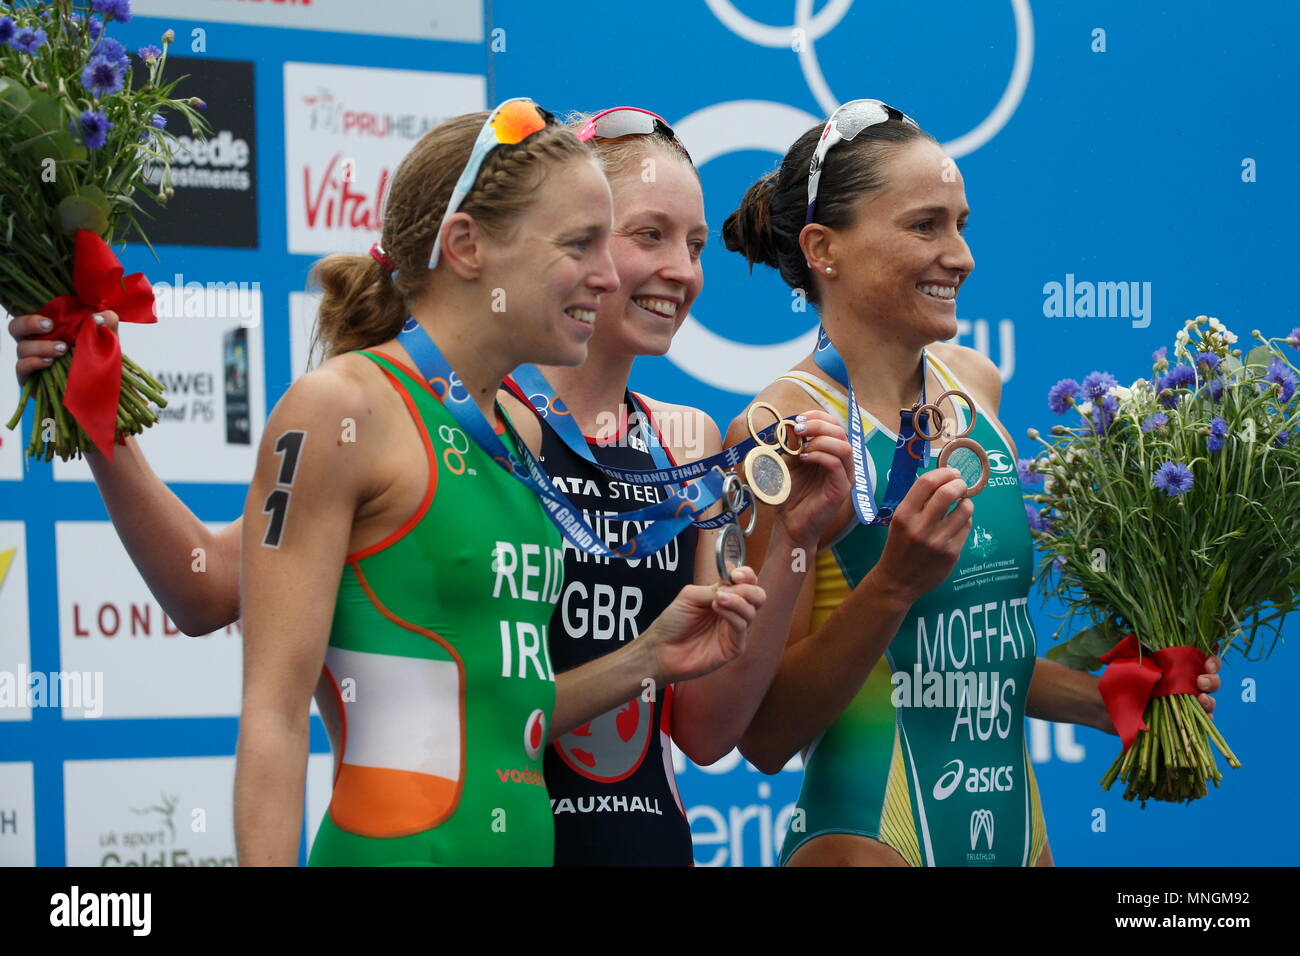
453 456
690 500
545 407
729 127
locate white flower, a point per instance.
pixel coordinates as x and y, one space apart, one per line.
1180 344
1218 326
1085 409
1229 337
1122 393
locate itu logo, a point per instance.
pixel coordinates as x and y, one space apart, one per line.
736 125
981 822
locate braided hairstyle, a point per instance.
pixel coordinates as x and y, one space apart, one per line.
765 227
362 304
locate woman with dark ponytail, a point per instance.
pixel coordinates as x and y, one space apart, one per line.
911 662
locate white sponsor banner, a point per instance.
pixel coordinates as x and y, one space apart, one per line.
15 644
11 442
346 128
302 323
17 815
320 787
109 624
206 349
457 20
169 811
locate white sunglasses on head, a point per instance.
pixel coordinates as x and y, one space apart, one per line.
844 124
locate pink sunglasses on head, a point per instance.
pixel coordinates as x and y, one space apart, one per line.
625 121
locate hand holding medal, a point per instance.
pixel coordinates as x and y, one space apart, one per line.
959 450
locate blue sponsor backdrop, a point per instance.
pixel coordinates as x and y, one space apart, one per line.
1098 141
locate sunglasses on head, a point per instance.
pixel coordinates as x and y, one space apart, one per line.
844 124
508 125
622 121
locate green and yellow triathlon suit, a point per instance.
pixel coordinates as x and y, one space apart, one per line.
437 687
930 757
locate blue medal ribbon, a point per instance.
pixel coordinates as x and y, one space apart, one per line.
907 453
667 518
541 395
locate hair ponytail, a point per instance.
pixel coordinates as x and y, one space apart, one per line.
360 304
748 230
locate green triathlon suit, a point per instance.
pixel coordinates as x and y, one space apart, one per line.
437 688
930 757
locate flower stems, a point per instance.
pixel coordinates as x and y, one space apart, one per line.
69 439
1171 761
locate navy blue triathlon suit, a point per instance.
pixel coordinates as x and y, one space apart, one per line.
611 781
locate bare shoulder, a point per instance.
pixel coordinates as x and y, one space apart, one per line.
974 369
523 418
345 412
691 433
343 383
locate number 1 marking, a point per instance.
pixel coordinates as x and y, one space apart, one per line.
277 506
290 445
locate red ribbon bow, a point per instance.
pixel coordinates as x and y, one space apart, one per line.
1132 679
95 376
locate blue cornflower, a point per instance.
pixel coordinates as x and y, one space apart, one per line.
94 129
102 77
1180 376
113 9
1159 358
28 40
1281 376
1218 434
1208 362
1295 339
1035 517
1027 477
149 53
1173 479
111 50
1216 387
1103 413
94 26
1062 394
1281 438
7 30
1152 422
1097 384
157 122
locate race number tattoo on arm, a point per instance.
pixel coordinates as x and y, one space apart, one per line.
277 506
289 445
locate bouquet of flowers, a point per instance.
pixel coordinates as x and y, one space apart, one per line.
1169 520
79 137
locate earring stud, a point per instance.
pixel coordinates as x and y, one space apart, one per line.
830 270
